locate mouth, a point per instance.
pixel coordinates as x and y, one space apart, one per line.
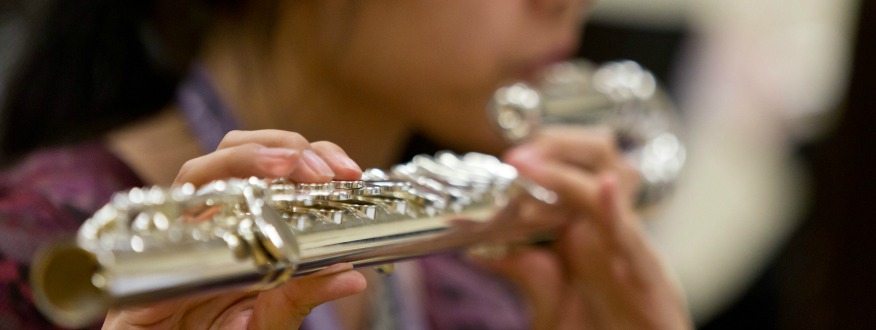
532 71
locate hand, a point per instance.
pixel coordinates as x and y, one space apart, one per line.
600 272
268 154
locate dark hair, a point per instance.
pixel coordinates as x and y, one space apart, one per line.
91 66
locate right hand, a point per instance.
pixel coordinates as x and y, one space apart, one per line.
601 271
265 154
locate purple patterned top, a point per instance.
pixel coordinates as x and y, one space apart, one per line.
45 197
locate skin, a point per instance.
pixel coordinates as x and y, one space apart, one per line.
379 70
269 154
364 75
601 272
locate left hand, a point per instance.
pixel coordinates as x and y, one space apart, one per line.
600 272
266 154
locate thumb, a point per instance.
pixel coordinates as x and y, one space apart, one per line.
286 306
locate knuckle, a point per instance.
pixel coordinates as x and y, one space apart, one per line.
298 307
190 164
184 170
325 145
248 147
606 139
229 138
233 134
606 149
302 311
290 139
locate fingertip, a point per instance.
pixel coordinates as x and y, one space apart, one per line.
348 173
357 281
528 161
608 184
311 168
316 164
522 154
344 162
343 284
344 167
341 280
333 269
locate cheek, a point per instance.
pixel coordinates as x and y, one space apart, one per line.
429 66
438 70
420 81
459 49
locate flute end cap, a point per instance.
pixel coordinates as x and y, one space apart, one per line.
61 281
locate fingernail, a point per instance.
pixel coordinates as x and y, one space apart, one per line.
334 269
276 161
524 156
316 163
522 153
345 161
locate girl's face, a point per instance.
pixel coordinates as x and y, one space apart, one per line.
436 63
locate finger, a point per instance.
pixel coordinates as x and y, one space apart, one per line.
312 167
591 148
614 209
184 313
608 250
268 137
576 188
628 236
341 164
286 306
621 272
239 162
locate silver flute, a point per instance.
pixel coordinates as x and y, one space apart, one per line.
149 244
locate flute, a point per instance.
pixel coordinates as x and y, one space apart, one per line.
149 244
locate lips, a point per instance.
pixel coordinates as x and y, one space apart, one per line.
533 70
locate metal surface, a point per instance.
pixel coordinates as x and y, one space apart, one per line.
621 96
152 244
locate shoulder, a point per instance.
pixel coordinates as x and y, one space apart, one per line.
82 176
